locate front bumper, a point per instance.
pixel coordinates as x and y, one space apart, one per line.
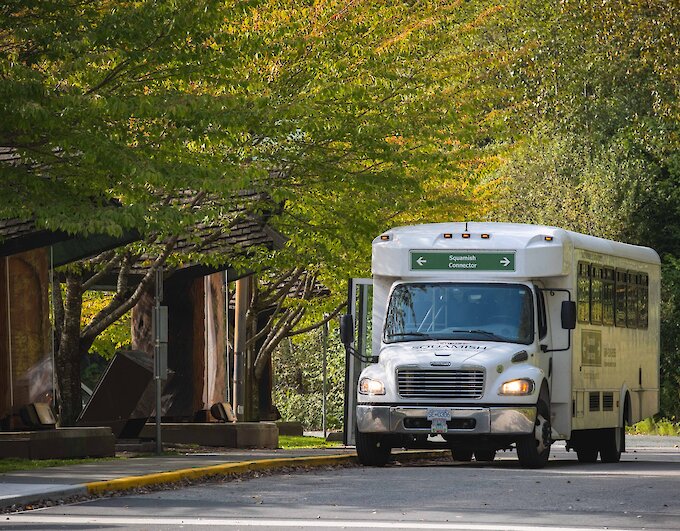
473 420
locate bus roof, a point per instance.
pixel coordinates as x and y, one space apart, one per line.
525 243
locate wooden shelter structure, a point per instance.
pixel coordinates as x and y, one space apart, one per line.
27 256
195 295
196 298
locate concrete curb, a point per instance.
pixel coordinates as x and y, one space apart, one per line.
226 469
241 467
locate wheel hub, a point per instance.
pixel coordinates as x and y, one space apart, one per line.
542 432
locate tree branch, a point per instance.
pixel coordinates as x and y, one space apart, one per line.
113 260
111 314
326 319
282 290
272 285
109 77
265 352
271 324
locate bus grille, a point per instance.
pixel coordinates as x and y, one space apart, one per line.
440 383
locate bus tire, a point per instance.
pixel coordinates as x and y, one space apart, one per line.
486 454
533 450
586 454
611 445
460 453
372 449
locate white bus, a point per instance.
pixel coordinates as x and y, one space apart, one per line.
497 335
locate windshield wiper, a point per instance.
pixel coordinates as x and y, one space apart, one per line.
402 334
481 332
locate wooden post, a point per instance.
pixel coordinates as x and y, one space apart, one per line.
214 385
26 371
240 337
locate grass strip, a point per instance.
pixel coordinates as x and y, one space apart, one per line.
296 441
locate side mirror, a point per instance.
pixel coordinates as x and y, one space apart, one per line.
346 329
568 315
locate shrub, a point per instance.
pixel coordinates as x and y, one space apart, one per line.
650 426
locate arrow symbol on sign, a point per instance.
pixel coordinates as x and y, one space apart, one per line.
505 262
421 261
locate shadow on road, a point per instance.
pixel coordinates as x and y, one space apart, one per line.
634 465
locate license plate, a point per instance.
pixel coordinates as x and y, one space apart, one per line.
439 416
439 426
438 413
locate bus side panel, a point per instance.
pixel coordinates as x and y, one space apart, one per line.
611 359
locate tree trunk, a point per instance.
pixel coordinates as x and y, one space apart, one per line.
69 354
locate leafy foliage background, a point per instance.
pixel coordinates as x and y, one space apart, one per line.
298 380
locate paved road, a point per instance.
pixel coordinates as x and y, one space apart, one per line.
641 492
60 482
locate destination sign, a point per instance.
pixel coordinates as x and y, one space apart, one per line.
463 260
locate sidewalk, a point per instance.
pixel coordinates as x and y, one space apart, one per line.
58 483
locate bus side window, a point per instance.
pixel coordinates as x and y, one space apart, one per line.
542 318
595 294
643 301
620 314
608 294
583 292
632 301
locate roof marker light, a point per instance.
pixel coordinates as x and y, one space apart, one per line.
448 235
548 238
385 237
486 236
466 235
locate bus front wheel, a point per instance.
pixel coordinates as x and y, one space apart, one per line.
372 449
460 453
485 454
533 450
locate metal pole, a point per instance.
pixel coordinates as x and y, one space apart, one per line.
157 356
324 332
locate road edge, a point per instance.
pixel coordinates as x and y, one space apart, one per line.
226 469
98 488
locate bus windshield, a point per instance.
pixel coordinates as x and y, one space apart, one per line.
460 311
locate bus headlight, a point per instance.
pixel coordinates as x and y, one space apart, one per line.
367 386
519 387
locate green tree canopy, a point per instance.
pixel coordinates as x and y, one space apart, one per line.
113 104
154 115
